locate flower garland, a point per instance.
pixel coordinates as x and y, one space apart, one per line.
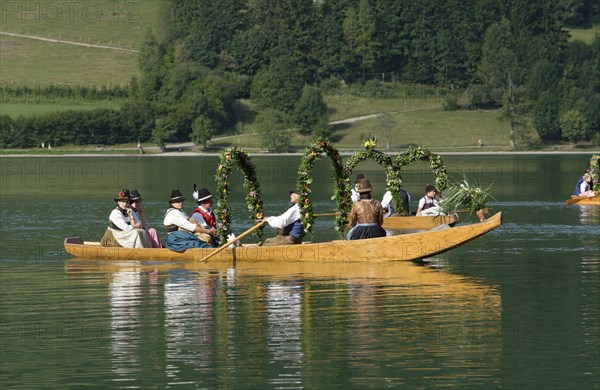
253 200
435 163
303 181
392 174
595 171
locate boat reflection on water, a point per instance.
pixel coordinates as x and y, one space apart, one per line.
288 316
589 214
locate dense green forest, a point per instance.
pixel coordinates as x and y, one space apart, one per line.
284 56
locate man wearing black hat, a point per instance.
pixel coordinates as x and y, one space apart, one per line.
205 217
180 230
289 222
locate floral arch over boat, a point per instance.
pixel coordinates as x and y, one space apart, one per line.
230 157
341 192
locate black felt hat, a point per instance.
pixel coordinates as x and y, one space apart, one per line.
135 196
202 194
176 196
123 195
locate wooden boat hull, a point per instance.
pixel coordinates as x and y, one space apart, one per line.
392 248
583 201
419 223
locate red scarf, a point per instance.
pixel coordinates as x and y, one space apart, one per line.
208 217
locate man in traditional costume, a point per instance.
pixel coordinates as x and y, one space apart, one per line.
204 217
429 204
180 230
388 204
289 222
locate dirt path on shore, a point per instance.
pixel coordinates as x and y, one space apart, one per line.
68 42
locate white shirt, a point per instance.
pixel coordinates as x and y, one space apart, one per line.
387 199
428 199
120 220
354 195
583 187
178 218
292 214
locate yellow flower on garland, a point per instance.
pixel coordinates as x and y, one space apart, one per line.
370 143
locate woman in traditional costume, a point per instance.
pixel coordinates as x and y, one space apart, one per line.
139 215
123 230
366 216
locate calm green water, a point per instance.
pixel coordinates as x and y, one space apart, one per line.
515 309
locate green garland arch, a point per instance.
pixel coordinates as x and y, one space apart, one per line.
391 173
304 180
435 163
253 196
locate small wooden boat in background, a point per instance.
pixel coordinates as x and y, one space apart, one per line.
401 247
419 223
582 201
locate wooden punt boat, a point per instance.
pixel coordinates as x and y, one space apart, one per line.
419 223
392 248
583 201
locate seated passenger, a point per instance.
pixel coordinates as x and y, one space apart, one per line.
180 231
429 204
140 216
289 222
584 188
123 229
388 203
366 216
204 217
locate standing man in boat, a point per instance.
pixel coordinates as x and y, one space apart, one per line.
204 217
366 216
388 204
180 230
123 230
289 222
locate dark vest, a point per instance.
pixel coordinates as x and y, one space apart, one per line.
111 223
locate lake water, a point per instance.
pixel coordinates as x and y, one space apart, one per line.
518 308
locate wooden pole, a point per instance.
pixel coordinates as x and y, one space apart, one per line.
244 234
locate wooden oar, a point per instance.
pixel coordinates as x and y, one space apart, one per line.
326 215
244 234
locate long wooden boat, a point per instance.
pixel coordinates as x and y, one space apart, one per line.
392 248
582 201
419 223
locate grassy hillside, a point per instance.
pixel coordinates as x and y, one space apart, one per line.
586 35
101 22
